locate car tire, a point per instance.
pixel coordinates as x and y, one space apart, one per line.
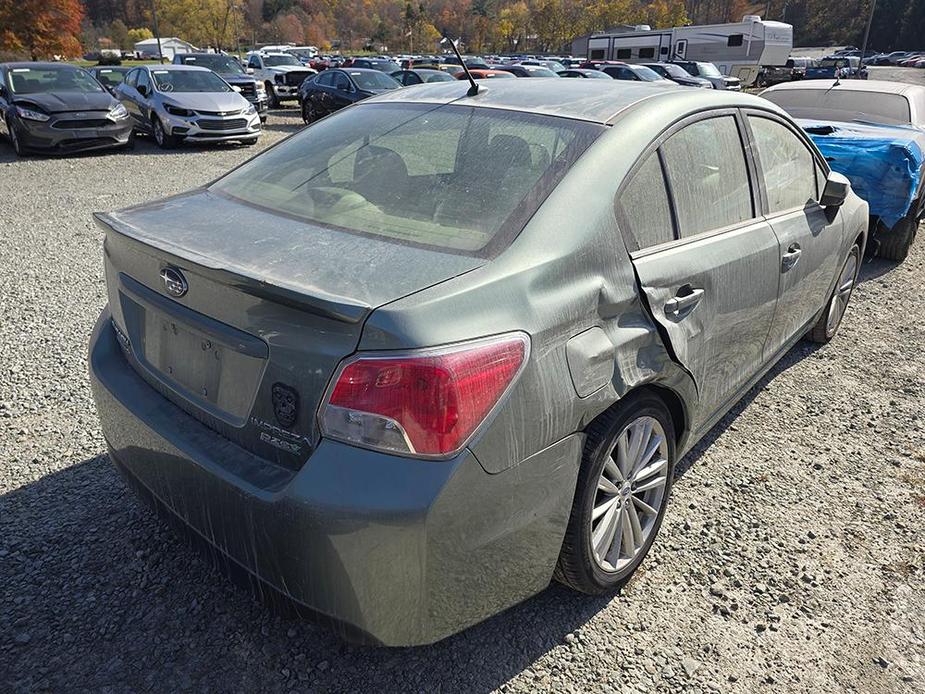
827 325
130 143
636 508
272 101
163 140
309 113
896 243
15 142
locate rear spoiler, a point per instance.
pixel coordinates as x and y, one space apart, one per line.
318 303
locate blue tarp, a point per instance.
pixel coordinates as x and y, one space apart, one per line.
883 162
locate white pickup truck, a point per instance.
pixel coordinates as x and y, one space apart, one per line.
281 74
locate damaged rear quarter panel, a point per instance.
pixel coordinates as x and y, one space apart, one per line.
566 273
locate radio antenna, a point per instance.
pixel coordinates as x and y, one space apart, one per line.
474 89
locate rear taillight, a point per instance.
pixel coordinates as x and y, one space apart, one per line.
424 403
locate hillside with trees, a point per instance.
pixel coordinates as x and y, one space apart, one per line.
43 28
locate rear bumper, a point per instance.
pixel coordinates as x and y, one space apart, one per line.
395 551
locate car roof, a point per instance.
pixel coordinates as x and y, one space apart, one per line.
877 86
356 69
177 68
38 65
595 101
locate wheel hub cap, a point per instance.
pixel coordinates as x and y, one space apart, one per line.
630 493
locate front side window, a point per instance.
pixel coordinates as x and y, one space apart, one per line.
131 79
254 62
326 79
645 211
143 80
450 177
788 167
706 168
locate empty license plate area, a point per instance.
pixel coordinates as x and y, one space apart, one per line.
210 364
188 358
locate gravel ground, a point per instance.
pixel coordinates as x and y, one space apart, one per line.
791 557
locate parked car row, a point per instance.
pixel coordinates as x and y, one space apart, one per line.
58 108
373 344
334 88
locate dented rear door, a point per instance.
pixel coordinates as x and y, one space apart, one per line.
707 265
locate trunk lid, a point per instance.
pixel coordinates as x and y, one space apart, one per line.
260 310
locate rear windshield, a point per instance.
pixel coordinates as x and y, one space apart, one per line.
646 74
842 105
458 178
218 63
373 80
708 70
276 60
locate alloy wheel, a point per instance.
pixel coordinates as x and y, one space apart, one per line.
630 493
159 133
842 293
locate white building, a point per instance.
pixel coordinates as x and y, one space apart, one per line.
170 46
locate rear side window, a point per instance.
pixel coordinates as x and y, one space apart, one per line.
706 168
787 166
645 211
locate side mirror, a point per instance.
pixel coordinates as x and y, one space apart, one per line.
2 91
835 191
250 70
142 89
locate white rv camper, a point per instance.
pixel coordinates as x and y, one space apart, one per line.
738 49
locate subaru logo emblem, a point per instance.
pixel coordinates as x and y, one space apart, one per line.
174 282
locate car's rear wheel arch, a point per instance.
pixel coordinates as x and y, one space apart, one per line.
673 403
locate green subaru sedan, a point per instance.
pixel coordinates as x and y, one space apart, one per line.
442 347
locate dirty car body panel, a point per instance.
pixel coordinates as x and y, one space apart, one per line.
395 547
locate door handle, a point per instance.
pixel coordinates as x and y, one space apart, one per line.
791 257
687 297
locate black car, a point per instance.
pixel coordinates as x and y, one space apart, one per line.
233 73
678 75
110 76
584 73
414 76
386 66
56 108
333 89
526 70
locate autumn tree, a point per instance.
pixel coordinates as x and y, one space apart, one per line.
41 28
